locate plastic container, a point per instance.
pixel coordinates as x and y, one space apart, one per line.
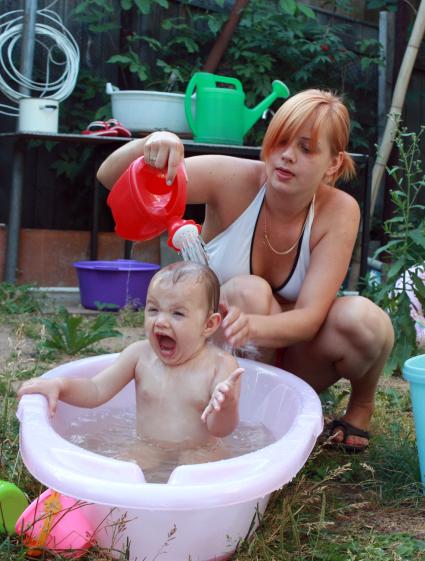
142 203
220 115
12 502
205 508
414 373
56 522
141 110
111 285
38 115
144 206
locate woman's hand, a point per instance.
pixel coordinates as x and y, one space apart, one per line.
164 149
50 388
236 327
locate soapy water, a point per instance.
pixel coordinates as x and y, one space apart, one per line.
113 434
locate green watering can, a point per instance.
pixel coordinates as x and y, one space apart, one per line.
221 116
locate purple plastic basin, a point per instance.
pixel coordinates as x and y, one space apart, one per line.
111 285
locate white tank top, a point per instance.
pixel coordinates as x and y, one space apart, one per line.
230 253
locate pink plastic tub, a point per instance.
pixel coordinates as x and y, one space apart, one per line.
204 510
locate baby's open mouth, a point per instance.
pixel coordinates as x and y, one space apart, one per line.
166 344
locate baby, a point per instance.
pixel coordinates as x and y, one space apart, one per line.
187 389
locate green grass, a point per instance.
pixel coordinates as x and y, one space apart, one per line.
362 507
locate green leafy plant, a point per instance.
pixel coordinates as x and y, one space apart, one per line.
180 38
274 39
291 44
131 317
71 334
17 299
405 248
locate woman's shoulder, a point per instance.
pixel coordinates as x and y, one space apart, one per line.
336 213
335 201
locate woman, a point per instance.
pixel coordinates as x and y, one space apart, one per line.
280 237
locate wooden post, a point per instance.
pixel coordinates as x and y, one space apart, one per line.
225 36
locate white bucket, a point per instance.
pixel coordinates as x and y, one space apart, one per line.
38 115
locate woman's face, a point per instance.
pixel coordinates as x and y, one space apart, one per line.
295 167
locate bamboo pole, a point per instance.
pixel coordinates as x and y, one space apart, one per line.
397 102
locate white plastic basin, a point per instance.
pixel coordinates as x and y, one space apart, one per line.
207 507
143 110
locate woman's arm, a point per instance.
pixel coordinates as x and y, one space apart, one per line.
226 184
160 149
329 263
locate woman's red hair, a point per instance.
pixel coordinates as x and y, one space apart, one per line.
328 111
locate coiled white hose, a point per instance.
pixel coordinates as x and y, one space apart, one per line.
50 36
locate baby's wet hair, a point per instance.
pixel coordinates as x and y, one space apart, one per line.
185 270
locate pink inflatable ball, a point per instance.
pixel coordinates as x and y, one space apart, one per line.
57 523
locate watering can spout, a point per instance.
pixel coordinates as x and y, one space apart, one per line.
251 116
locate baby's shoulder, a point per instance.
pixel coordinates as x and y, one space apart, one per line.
138 349
224 362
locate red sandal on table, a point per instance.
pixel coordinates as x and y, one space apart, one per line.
111 127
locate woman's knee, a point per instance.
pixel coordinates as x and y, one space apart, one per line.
363 323
250 293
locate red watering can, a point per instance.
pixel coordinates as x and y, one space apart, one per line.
144 206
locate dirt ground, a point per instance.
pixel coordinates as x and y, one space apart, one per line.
18 351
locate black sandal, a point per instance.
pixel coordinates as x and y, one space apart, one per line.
347 430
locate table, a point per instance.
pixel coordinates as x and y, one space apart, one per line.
21 139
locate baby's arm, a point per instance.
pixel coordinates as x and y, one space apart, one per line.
222 412
87 392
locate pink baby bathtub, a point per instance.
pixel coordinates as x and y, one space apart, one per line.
204 510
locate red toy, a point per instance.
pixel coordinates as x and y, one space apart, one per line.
112 127
144 206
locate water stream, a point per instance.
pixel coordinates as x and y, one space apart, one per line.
193 248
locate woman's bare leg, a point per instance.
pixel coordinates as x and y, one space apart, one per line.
354 343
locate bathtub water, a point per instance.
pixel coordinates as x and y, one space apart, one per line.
204 510
120 440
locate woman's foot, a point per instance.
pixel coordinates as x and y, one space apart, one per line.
343 433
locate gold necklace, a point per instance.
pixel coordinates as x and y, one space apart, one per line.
287 251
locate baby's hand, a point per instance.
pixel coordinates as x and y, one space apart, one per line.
224 391
50 388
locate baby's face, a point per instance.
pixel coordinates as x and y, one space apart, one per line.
176 319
